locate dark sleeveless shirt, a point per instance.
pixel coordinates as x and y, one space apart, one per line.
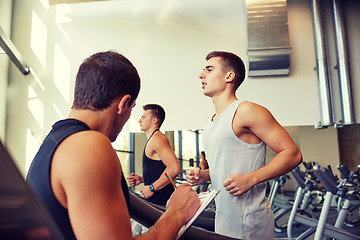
152 170
39 173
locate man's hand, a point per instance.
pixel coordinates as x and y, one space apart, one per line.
134 179
145 190
237 184
184 201
193 176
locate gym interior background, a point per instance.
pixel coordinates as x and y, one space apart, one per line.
167 41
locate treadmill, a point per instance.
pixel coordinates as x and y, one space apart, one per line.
23 216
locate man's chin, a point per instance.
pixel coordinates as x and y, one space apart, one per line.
206 94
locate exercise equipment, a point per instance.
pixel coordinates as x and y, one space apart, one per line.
146 214
353 181
282 204
319 227
22 214
206 219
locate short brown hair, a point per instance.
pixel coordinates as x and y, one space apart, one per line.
102 78
230 61
157 111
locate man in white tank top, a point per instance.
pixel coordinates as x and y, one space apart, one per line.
235 140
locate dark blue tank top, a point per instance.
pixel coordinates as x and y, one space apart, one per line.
152 170
39 173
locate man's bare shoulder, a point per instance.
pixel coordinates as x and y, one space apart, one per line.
249 113
91 140
87 148
249 106
159 140
159 136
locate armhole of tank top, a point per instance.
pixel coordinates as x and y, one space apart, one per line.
232 129
233 118
156 130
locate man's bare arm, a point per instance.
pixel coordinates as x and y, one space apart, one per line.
88 172
161 147
92 193
262 124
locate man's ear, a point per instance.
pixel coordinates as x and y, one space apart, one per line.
230 76
154 120
123 103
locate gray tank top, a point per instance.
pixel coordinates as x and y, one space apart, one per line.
249 215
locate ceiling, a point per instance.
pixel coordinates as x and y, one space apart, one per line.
53 2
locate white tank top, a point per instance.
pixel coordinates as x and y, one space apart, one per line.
249 215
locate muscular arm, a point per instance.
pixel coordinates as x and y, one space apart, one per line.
162 150
253 124
86 176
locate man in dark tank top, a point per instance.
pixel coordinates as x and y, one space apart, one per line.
76 173
158 158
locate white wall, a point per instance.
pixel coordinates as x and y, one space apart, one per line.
293 99
167 41
320 146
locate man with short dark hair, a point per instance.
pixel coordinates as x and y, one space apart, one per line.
76 172
158 158
235 140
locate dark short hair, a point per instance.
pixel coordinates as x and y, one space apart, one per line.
102 78
230 62
157 111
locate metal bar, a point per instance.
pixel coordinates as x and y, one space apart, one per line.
124 151
329 231
14 55
298 198
347 106
342 214
323 216
197 147
269 48
326 107
132 151
180 149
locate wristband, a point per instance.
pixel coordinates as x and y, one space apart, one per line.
152 189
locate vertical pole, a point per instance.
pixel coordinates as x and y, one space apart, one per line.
180 150
197 148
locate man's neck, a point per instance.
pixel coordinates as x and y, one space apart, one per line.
99 121
221 102
150 131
